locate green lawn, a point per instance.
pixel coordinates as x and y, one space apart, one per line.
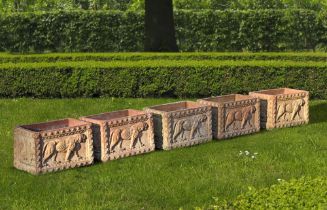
184 177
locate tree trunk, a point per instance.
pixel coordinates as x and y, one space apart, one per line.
159 26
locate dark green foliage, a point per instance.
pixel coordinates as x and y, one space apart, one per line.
158 78
205 30
323 19
71 31
59 57
251 30
304 193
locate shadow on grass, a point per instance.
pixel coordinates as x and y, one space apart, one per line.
318 113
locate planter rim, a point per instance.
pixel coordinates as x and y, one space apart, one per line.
64 125
110 116
224 99
176 107
278 91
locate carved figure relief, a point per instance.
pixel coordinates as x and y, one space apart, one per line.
71 146
289 110
190 126
133 134
244 116
196 126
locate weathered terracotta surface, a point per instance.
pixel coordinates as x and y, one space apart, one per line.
181 124
122 133
52 146
283 107
234 115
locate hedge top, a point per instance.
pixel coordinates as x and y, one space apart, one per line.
163 63
55 57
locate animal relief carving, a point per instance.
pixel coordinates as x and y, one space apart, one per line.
70 146
240 118
289 110
133 134
192 127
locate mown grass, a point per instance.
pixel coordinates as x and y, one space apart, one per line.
183 177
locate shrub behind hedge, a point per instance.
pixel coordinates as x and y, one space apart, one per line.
71 31
208 30
260 30
158 78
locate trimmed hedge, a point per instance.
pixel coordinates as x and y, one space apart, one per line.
303 193
208 30
71 31
259 30
58 57
158 78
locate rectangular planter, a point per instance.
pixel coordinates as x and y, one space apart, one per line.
52 146
121 133
181 124
283 107
233 115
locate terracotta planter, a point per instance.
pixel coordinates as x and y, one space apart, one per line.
234 115
121 133
283 107
181 124
53 146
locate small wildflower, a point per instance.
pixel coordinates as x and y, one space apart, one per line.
279 180
255 153
252 156
247 152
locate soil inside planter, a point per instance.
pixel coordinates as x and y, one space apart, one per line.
53 125
176 106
